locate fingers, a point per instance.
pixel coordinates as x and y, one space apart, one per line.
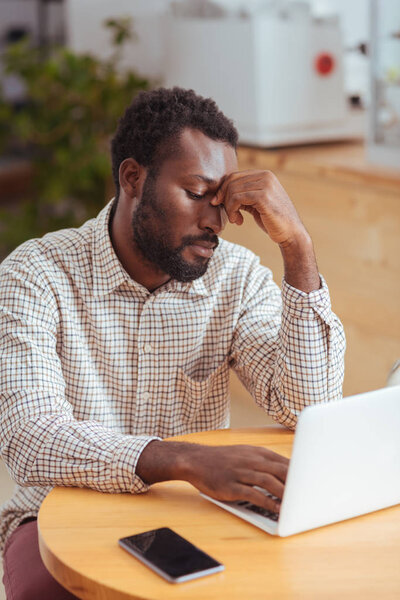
274 456
249 493
260 194
266 481
245 183
246 179
231 472
224 216
265 453
240 192
241 200
261 460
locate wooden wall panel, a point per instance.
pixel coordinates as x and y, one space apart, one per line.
352 211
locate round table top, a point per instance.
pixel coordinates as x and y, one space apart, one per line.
79 531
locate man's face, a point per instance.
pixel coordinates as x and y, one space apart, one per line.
174 225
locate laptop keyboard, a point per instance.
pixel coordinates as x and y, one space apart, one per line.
258 510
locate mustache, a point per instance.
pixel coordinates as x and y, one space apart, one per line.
187 240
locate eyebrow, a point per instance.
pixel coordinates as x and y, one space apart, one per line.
203 178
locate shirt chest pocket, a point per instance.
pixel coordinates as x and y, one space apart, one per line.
205 398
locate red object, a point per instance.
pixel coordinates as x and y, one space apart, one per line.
324 63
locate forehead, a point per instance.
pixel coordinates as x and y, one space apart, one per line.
201 155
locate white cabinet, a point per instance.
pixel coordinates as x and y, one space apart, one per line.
384 130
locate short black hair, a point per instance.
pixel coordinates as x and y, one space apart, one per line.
159 116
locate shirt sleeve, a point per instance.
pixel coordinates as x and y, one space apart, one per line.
288 346
41 441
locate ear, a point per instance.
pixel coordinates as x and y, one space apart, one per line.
131 177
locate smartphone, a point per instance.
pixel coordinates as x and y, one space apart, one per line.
170 555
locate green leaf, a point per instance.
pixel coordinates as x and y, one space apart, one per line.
72 110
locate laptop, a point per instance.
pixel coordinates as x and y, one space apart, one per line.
345 462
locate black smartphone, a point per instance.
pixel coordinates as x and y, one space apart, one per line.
170 555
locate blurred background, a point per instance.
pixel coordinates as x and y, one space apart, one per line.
313 88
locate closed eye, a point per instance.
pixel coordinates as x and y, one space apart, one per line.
194 196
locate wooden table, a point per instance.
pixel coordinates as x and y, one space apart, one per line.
79 530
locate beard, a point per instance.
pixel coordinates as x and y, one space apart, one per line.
151 234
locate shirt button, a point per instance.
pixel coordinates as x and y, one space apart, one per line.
147 348
146 395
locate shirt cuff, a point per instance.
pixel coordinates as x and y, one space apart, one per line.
306 306
126 460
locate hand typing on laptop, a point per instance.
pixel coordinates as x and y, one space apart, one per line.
226 473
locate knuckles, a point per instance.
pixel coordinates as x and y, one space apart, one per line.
268 176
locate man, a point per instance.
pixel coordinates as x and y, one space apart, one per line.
122 332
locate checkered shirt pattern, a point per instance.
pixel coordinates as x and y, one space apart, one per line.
93 366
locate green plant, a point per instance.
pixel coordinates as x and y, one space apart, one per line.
73 105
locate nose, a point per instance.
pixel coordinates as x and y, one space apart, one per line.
213 218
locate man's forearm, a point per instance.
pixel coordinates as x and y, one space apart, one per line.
300 264
224 472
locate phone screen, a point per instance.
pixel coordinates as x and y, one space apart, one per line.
170 555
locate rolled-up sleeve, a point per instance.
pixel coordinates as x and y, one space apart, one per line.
288 347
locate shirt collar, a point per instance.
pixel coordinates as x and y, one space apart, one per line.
109 274
196 287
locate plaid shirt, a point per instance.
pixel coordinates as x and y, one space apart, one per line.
93 366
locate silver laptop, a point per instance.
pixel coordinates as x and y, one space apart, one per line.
345 462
